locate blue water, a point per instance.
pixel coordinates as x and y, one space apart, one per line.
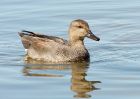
113 71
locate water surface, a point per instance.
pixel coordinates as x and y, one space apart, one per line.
115 61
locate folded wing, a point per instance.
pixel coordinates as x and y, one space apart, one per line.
39 41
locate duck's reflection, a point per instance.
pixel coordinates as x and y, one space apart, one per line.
29 70
79 84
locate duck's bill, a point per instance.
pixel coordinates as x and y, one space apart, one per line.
92 36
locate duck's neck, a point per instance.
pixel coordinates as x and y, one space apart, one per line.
76 42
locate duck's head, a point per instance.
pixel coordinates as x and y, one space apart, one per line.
79 29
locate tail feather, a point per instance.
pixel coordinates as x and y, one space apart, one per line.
29 32
25 38
21 34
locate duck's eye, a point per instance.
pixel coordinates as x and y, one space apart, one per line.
79 26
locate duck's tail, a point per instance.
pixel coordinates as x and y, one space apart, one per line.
26 38
25 32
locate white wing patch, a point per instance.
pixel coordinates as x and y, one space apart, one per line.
26 50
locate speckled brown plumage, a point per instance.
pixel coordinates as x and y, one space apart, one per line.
55 49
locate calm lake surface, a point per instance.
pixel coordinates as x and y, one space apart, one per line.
114 69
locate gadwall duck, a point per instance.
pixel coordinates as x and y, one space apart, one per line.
55 49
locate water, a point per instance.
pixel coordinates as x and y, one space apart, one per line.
115 61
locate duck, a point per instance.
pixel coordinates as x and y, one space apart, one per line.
55 49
